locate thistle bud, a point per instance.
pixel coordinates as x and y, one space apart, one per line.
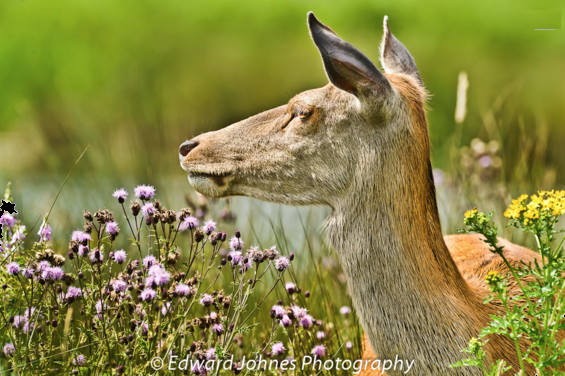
135 208
198 236
87 216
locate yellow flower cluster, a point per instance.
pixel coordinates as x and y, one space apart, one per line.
471 213
544 202
493 277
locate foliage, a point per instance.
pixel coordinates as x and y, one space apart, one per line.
533 318
176 291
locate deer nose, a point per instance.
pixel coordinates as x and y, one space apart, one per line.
186 147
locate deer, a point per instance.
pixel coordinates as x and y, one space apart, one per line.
360 145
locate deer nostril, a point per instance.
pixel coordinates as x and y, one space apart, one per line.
186 147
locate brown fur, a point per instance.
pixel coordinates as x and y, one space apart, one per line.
360 145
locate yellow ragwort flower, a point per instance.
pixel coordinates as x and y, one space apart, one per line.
471 213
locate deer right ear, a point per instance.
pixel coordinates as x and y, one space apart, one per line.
347 67
395 57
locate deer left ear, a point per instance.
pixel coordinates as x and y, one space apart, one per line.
395 58
347 67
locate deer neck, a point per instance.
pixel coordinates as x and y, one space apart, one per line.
410 296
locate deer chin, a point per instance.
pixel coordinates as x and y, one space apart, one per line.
212 185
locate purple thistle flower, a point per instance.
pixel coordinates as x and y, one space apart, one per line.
18 235
282 263
19 320
211 353
147 295
155 268
199 369
189 223
148 209
121 194
235 257
112 228
44 232
8 349
162 278
319 350
345 310
28 272
118 285
158 275
183 290
73 293
150 260
218 328
120 256
213 315
42 265
13 268
246 264
7 220
290 287
80 360
209 227
52 273
320 335
166 308
298 312
28 313
206 300
236 244
80 237
278 311
286 321
96 257
485 161
144 192
277 348
306 321
83 250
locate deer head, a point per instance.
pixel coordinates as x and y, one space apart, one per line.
310 150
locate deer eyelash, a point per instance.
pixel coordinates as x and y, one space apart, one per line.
302 113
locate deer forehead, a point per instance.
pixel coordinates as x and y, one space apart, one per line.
326 98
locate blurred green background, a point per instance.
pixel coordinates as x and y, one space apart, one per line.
133 79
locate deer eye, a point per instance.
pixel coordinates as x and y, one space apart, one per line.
302 113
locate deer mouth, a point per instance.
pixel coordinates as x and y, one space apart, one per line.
217 178
212 184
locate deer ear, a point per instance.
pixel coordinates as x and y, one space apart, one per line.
395 58
346 66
